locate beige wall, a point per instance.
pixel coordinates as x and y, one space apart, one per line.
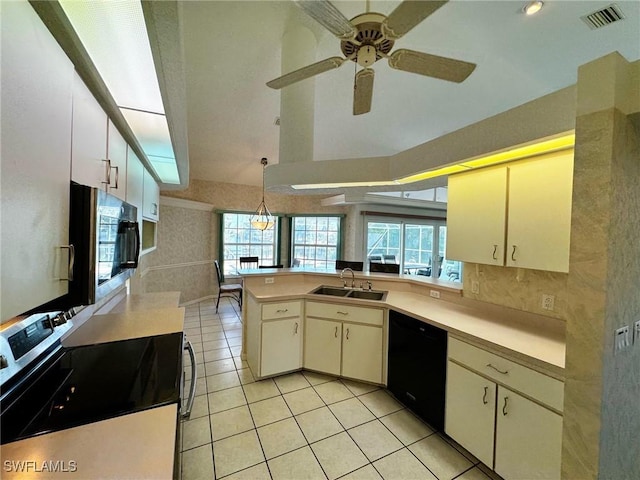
188 234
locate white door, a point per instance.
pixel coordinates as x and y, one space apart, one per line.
362 352
89 143
36 97
476 216
322 345
117 156
528 438
281 346
470 411
540 212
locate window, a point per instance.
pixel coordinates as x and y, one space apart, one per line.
239 239
411 244
315 241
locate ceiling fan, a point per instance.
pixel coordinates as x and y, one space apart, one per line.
367 38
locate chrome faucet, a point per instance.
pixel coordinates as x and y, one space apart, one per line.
353 278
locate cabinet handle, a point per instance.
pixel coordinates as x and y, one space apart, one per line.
484 397
336 335
347 334
513 253
72 261
108 182
342 313
505 372
295 332
495 251
504 407
285 310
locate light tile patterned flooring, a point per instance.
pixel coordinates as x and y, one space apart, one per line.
302 425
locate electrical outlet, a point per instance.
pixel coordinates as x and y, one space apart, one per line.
621 339
636 333
475 287
548 301
434 293
268 280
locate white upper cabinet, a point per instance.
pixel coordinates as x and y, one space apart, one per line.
135 182
116 163
151 197
36 96
476 216
518 215
89 141
540 213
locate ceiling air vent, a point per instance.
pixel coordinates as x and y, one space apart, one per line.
603 17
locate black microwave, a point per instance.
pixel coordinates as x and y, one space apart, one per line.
105 235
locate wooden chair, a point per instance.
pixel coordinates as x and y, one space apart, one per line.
384 267
389 259
248 262
375 259
355 266
232 290
272 266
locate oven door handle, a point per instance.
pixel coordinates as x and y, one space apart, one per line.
194 377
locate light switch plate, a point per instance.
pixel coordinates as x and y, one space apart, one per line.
548 301
434 293
268 280
621 340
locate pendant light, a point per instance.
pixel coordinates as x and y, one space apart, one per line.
262 218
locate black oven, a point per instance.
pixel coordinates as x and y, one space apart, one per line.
45 387
105 236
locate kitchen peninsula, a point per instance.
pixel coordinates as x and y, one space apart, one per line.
500 372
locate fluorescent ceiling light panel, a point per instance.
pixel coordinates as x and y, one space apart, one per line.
152 131
165 169
313 186
115 36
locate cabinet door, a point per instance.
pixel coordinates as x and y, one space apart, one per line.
476 216
89 141
151 197
470 411
135 173
528 438
281 346
36 97
322 345
540 212
362 352
117 155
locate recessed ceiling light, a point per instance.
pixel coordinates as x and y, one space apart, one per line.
532 8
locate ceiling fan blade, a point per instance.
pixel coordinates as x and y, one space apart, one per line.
327 15
306 72
407 15
363 91
431 65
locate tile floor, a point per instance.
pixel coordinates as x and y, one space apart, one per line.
302 425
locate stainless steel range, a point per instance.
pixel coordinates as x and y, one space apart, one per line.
46 387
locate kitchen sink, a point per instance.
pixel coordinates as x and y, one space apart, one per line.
335 291
367 294
350 293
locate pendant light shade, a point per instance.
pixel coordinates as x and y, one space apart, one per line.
262 218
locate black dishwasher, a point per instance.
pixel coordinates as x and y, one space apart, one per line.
418 366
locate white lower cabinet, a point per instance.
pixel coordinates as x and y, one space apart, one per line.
519 437
322 345
274 337
528 438
344 340
281 346
362 352
470 411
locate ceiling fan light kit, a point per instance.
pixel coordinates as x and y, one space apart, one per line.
369 37
534 7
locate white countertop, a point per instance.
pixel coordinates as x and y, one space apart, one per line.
531 339
140 445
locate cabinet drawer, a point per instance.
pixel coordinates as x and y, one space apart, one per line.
272 311
545 389
347 313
